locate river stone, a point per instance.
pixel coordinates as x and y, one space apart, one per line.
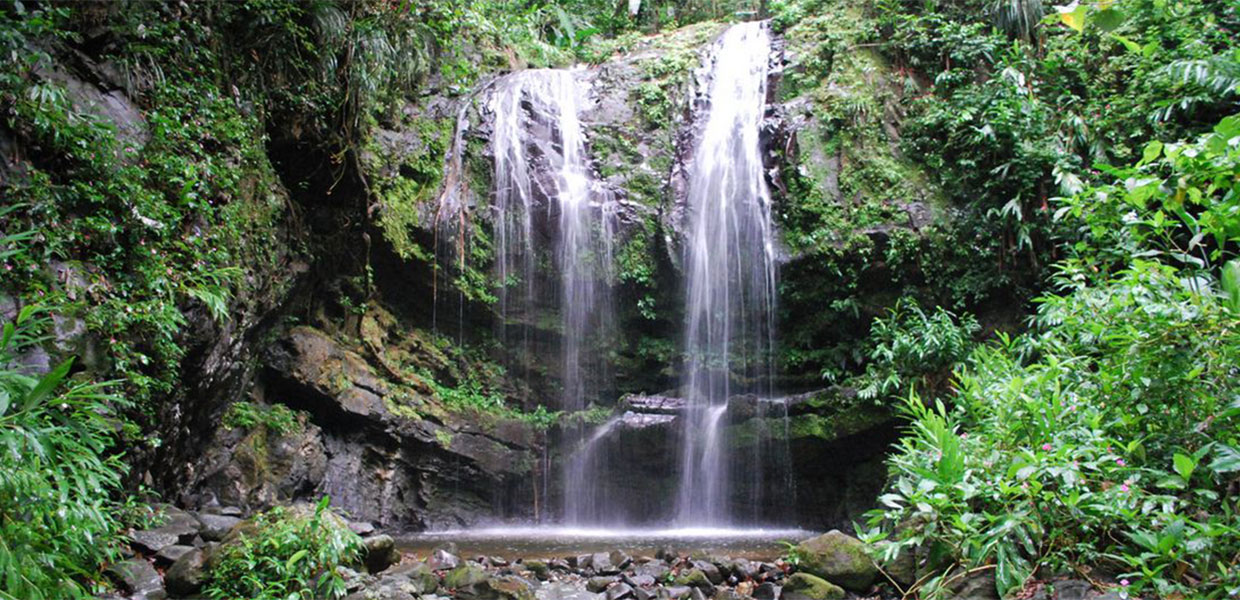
766 591
803 586
140 578
620 559
601 563
419 574
741 568
639 580
698 579
215 527
677 591
465 577
187 575
170 554
538 568
443 560
599 583
726 594
658 569
697 594
642 594
178 527
712 572
838 558
620 591
381 553
362 528
978 586
509 587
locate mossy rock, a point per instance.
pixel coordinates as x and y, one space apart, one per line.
465 577
803 586
840 559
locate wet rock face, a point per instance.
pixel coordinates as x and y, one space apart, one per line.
377 465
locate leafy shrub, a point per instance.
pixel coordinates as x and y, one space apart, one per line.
1109 437
282 554
57 522
915 350
277 418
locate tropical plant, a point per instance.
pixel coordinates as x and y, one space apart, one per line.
58 475
1109 436
285 553
915 350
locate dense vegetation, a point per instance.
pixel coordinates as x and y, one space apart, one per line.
1086 153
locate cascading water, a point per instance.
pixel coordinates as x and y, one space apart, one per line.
540 157
729 270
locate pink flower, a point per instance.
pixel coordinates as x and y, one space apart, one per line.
1123 582
1123 487
1046 447
1120 462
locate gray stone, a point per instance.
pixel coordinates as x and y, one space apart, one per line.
639 580
678 591
153 540
658 569
508 587
642 594
1072 589
696 578
621 560
187 575
176 527
215 527
712 572
840 559
979 586
139 578
443 560
766 591
362 528
169 554
599 583
381 553
601 563
620 591
421 579
740 568
697 594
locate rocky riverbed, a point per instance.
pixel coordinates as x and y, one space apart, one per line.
169 562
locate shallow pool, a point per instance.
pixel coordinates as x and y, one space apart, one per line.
552 541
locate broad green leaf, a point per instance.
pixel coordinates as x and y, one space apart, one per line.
1073 15
1231 283
1108 19
1184 465
1152 151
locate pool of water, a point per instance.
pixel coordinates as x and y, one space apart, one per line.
551 542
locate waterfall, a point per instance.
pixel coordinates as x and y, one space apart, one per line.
729 270
543 189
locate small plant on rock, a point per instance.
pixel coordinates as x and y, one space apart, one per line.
281 554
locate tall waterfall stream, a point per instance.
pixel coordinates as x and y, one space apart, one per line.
547 206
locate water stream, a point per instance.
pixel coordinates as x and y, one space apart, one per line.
541 164
548 211
729 270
